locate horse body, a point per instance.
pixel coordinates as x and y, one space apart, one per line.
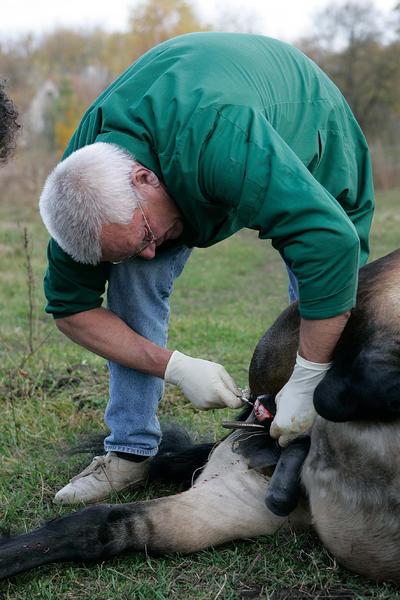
350 477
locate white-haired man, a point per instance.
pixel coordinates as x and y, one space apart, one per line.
202 136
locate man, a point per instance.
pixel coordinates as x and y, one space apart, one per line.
8 125
204 135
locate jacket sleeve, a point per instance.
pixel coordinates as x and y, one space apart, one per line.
71 287
244 163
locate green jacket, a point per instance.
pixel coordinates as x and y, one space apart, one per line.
245 131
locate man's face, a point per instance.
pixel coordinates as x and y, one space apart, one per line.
155 221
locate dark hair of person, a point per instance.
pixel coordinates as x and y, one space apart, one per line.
9 125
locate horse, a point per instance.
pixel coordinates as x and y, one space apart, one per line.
350 492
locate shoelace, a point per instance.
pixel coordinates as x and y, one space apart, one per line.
99 462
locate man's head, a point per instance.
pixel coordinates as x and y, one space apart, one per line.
94 204
9 125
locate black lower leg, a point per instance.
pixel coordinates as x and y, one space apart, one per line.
284 490
91 534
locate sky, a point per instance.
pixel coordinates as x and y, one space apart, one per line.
284 19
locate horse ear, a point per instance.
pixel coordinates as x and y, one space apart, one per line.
332 397
365 390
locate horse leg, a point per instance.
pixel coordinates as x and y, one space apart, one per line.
226 503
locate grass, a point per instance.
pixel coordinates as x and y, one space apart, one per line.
52 391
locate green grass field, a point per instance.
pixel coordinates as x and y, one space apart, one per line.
52 392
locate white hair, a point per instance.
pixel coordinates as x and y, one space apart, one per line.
91 187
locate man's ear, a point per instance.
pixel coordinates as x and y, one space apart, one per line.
141 176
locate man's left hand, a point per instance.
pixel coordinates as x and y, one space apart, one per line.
295 407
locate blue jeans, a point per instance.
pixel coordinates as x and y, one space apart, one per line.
293 287
138 292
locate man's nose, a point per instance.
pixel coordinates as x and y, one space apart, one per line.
149 252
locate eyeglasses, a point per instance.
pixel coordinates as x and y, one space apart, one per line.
149 238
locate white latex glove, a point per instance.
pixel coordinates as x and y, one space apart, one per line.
206 384
295 408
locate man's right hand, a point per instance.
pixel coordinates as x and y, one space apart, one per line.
206 384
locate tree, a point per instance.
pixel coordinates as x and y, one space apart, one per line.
348 24
154 21
351 48
396 19
66 51
64 115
